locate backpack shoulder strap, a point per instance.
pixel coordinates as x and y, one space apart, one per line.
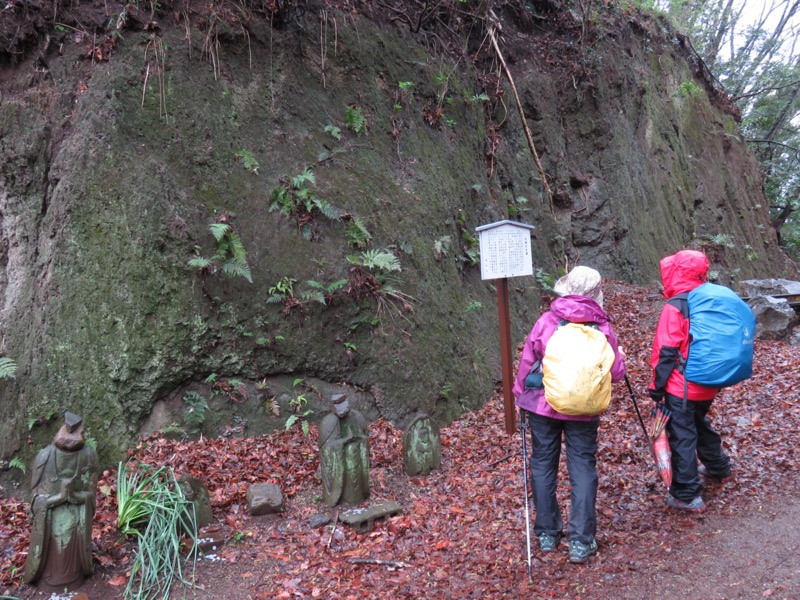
681 302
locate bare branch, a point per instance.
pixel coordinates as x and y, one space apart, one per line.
765 90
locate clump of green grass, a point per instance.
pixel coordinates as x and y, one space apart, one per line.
152 508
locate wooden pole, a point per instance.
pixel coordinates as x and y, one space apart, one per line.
506 360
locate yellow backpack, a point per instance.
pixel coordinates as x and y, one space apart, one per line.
577 369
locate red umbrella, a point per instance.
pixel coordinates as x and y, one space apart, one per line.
660 444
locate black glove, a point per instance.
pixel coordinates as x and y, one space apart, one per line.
656 395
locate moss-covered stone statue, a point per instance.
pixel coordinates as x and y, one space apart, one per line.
344 454
63 485
422 447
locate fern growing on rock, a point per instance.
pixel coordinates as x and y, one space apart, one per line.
357 234
355 120
375 276
8 368
298 199
230 255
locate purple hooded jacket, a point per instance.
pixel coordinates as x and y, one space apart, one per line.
576 309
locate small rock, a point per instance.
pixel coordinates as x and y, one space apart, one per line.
264 498
318 520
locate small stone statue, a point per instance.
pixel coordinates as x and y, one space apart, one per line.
344 454
422 448
63 485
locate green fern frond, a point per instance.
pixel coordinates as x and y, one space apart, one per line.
16 463
8 368
327 209
314 295
315 284
223 248
335 132
237 247
354 119
281 200
357 234
200 263
274 299
249 161
236 266
382 260
218 230
305 177
306 233
339 283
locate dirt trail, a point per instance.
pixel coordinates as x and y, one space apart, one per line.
753 554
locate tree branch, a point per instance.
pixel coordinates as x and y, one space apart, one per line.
774 143
396 564
528 135
763 90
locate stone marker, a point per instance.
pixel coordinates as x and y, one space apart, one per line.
422 447
344 454
63 487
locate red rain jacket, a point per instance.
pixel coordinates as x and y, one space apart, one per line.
681 272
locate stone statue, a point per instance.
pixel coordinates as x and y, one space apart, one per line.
422 448
344 454
63 485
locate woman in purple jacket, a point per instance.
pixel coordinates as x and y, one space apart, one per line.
580 301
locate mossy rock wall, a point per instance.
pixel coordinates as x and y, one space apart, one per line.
113 171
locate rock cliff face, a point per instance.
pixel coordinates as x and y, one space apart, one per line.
126 134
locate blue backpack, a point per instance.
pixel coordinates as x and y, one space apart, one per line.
721 329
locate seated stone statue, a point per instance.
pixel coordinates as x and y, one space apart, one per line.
422 448
344 454
63 486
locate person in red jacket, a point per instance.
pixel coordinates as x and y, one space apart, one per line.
691 436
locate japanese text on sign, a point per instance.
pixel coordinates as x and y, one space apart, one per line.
505 250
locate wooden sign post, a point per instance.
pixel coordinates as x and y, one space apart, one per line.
505 249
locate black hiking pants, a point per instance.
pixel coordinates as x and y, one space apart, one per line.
580 439
692 438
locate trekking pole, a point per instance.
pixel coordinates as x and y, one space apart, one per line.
636 406
523 426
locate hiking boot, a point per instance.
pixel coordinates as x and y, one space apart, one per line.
547 542
697 505
579 552
703 472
